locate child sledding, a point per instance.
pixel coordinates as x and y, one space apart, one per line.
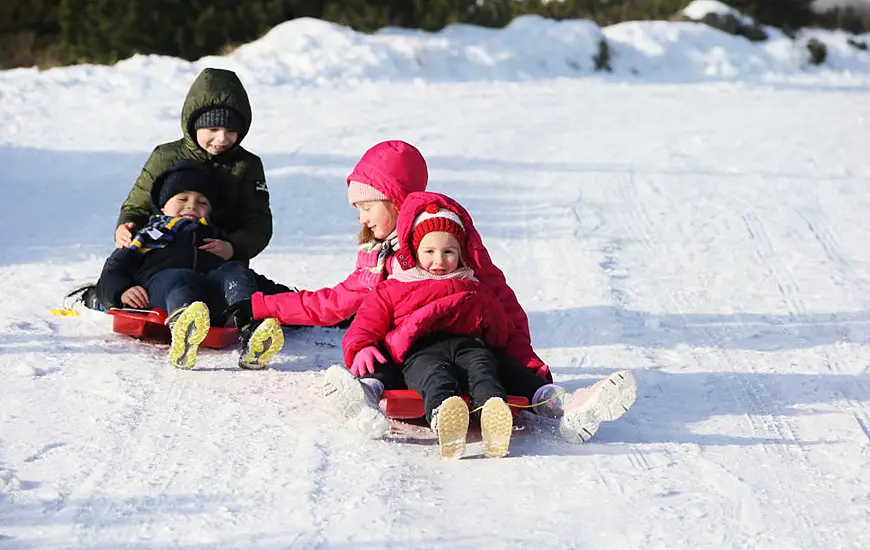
442 329
165 267
431 312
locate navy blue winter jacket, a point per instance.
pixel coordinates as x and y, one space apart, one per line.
165 243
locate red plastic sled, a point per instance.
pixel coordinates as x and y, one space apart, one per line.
149 325
406 404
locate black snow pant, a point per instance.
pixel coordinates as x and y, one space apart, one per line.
517 379
268 287
389 373
88 296
440 366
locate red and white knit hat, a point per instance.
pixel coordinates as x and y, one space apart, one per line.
361 192
438 219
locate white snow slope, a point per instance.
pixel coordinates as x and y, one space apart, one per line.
709 236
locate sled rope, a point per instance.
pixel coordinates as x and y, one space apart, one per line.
561 393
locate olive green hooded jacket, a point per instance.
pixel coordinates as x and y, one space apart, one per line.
243 209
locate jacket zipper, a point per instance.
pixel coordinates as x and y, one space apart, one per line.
195 251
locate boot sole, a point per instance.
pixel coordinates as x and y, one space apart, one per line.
345 393
496 426
452 427
615 397
265 342
188 332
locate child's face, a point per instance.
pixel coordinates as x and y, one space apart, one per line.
378 216
187 204
216 140
439 253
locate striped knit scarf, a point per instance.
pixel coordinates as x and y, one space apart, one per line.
161 230
384 249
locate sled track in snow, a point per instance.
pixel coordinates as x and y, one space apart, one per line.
826 239
767 256
856 288
753 397
139 445
848 405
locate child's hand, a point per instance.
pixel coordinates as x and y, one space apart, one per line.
135 296
364 362
219 248
124 234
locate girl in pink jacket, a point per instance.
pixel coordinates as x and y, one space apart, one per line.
438 324
396 317
378 187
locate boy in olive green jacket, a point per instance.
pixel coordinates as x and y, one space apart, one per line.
214 120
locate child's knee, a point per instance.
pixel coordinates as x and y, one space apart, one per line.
236 272
231 266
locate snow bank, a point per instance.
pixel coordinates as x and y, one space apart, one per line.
313 51
699 9
310 52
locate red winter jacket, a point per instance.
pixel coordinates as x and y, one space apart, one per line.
475 256
394 168
519 345
396 314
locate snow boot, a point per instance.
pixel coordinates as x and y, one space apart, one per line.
604 401
86 295
260 341
496 425
450 422
356 400
189 326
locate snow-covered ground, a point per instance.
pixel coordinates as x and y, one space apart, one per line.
711 236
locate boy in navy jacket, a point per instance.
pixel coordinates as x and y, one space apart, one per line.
168 266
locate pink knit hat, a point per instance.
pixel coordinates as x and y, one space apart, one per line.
361 192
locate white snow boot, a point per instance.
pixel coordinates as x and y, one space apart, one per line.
604 401
356 400
583 411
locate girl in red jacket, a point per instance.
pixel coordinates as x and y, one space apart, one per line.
438 322
416 314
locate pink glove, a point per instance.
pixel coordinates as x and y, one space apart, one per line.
364 362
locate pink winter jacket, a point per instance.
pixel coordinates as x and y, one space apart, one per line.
397 314
398 170
519 345
394 168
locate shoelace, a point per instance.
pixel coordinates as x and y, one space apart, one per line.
545 401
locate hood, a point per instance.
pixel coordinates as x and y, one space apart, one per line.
415 204
214 88
395 168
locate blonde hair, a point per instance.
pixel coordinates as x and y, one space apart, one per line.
366 235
